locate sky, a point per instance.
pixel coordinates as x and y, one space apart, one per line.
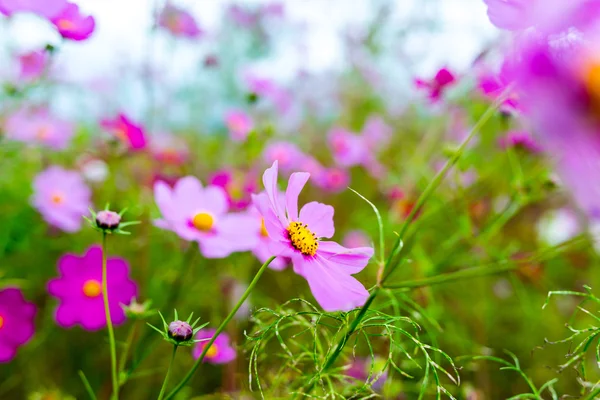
121 37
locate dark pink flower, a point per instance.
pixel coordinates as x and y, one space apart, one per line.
200 214
39 127
520 139
32 64
239 124
79 290
435 87
238 185
129 133
220 352
73 25
178 22
16 322
493 85
327 266
62 197
43 8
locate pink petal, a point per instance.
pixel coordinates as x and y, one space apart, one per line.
270 183
351 261
319 218
295 185
7 352
214 199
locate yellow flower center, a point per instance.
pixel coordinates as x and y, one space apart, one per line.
591 79
263 229
303 239
57 198
203 221
1 321
212 351
92 288
65 25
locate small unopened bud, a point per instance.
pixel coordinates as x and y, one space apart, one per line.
181 331
108 220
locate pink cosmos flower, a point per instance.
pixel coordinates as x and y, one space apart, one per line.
178 22
239 124
79 290
61 197
128 132
493 85
221 351
270 90
43 8
287 154
435 87
364 368
327 266
262 248
520 139
73 25
39 127
169 149
348 149
197 213
32 64
332 179
356 238
16 322
238 185
376 133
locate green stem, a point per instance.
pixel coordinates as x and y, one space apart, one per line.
166 381
592 395
467 273
220 329
109 325
128 344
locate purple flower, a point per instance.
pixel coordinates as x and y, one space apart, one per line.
197 213
33 64
79 290
43 8
180 331
178 22
220 352
61 197
39 127
326 265
347 148
239 124
241 16
73 25
108 220
16 322
493 85
436 86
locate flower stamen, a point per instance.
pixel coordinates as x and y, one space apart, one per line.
263 228
92 288
302 238
203 221
212 351
1 321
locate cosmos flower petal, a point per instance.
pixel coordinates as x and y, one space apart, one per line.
351 261
270 182
333 290
295 185
319 218
216 200
7 352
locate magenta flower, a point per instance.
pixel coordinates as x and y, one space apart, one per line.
39 127
238 185
130 134
520 139
493 85
16 322
220 352
197 213
62 198
79 290
239 124
178 22
43 8
326 265
32 64
347 148
287 154
73 25
435 87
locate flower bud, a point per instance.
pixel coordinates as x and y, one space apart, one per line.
108 220
181 331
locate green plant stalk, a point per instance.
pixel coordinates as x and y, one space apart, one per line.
166 381
109 325
127 347
387 270
220 329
